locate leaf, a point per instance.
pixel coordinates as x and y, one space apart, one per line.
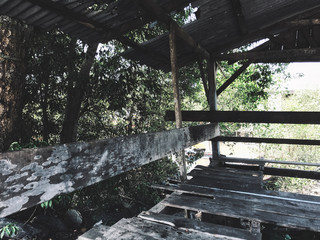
2 233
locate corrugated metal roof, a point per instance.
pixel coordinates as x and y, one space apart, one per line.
88 20
217 29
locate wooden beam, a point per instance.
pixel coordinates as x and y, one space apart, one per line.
155 11
265 161
248 117
275 28
126 41
281 172
302 22
33 176
268 140
212 101
203 78
311 41
233 77
176 96
237 9
275 56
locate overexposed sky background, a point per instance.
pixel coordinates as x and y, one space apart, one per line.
310 78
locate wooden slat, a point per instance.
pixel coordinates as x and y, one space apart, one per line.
268 140
248 117
267 213
264 161
32 176
219 231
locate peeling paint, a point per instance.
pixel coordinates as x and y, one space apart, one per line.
6 167
37 157
101 162
15 177
48 172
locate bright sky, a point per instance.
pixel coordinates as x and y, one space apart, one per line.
310 78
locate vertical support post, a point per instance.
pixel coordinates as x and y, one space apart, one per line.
176 95
212 69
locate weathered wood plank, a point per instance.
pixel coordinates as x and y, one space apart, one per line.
211 192
248 117
153 230
218 231
245 210
226 181
268 140
250 172
288 205
32 176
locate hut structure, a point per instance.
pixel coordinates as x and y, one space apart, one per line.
291 30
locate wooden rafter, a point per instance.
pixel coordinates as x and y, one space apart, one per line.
158 13
143 49
275 56
309 38
233 77
279 27
236 6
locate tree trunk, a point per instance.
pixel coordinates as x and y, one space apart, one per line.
75 98
14 40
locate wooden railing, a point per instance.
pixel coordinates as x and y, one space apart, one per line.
259 117
33 176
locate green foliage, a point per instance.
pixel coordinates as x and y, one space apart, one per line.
47 204
306 100
8 230
15 146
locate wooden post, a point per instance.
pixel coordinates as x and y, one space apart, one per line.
212 68
176 95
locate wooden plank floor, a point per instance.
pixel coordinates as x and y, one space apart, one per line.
223 192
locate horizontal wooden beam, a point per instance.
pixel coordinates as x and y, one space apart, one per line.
274 56
302 22
281 172
265 161
248 117
268 140
32 176
159 14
